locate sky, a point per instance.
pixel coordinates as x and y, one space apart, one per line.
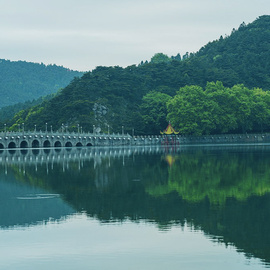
84 34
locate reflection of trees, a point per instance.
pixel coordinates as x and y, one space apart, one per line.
217 177
243 224
223 193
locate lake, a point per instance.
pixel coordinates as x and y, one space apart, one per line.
190 207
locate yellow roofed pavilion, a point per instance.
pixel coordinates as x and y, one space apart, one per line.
169 130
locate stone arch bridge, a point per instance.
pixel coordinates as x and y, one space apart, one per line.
48 139
59 139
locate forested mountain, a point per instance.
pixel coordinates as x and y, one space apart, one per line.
139 97
21 81
8 112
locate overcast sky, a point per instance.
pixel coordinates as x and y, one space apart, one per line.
83 34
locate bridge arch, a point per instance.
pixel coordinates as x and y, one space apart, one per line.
24 144
29 140
79 144
47 143
12 145
68 144
57 144
35 144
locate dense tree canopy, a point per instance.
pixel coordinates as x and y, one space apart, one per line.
154 111
219 109
22 81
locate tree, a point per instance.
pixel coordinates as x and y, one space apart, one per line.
223 113
160 57
154 111
177 57
190 111
241 103
260 110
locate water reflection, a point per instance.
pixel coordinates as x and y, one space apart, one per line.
223 191
25 205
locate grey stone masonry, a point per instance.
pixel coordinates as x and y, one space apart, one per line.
21 140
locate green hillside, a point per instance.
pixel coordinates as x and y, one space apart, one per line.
137 97
21 81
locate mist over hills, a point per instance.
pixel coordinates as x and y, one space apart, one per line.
136 97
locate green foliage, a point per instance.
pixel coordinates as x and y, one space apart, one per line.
132 96
219 109
22 81
244 55
9 112
190 111
160 57
154 111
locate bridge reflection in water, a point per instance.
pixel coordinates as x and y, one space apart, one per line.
49 156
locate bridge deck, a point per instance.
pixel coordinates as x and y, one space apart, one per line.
65 139
72 139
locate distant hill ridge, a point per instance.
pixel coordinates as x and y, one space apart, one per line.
116 97
21 81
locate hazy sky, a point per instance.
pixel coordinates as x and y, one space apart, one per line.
83 34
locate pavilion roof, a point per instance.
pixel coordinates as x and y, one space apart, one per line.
169 130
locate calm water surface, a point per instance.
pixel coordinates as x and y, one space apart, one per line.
135 208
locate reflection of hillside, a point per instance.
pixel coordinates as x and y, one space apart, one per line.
222 192
25 205
216 177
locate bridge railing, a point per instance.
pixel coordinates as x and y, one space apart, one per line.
58 133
